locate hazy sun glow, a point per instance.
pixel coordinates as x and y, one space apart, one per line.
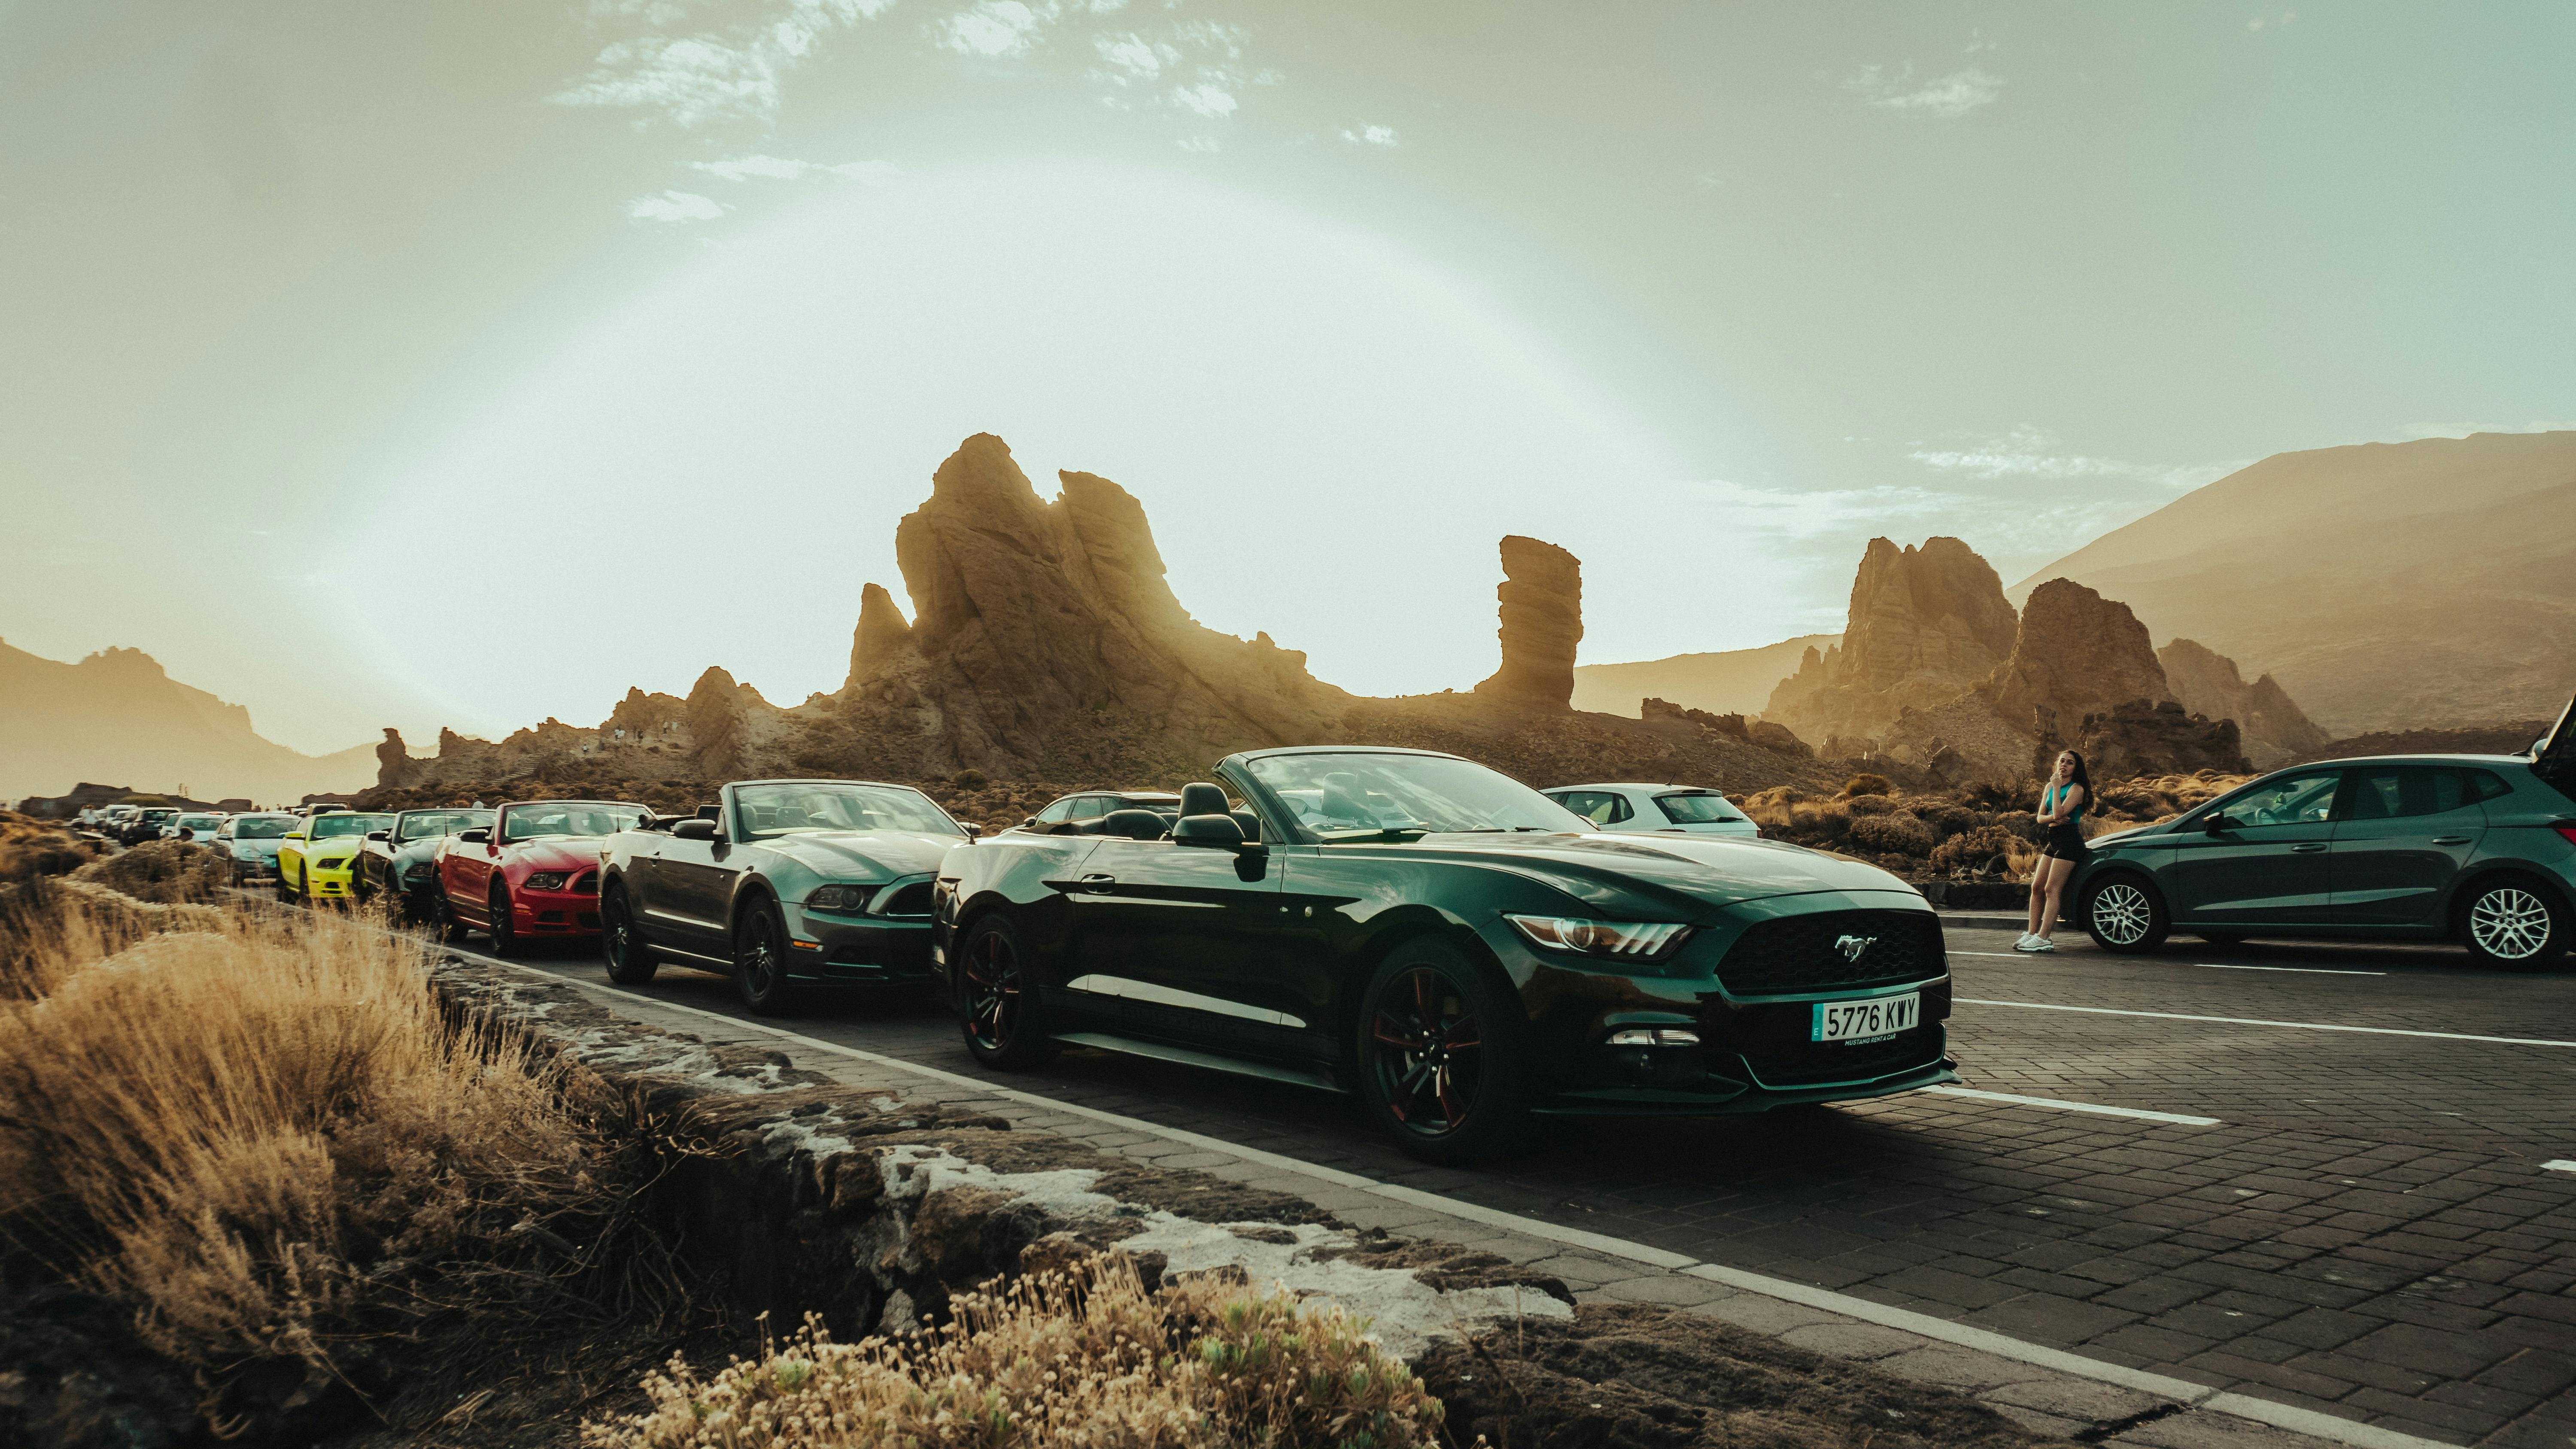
1328 434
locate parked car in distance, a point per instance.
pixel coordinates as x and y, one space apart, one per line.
316 855
252 841
1655 809
193 825
144 824
1452 946
533 872
786 885
2478 849
402 858
1088 812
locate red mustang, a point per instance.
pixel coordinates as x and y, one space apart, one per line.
534 872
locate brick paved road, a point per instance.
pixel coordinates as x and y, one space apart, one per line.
2369 1232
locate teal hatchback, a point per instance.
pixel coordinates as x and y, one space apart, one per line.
2479 849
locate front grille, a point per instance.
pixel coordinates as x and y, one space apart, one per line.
1826 1061
586 883
1793 954
912 900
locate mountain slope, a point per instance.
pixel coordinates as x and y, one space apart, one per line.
117 716
1733 681
2385 586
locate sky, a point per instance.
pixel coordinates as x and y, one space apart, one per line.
463 364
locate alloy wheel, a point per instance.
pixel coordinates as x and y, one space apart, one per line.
503 930
2121 913
1429 1056
759 956
993 986
2510 924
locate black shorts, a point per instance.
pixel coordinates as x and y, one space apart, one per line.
2065 842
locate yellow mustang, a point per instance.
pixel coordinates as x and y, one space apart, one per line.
314 860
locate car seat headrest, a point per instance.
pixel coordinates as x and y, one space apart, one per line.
1202 799
1134 824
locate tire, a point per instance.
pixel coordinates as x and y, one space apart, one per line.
443 920
621 947
760 960
504 933
358 892
997 1002
2125 914
285 892
2514 923
1441 1055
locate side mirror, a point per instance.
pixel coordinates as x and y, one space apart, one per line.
1215 832
479 835
380 835
973 830
694 830
2217 822
1032 820
297 835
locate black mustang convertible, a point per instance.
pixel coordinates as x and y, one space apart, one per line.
1450 944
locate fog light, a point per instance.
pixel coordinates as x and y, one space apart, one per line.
1659 1036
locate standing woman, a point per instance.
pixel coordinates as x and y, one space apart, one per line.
2061 815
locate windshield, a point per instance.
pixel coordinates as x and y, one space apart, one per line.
1697 809
160 817
267 827
766 810
1340 795
200 822
567 817
326 827
424 825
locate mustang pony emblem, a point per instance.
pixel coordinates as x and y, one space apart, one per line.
1853 946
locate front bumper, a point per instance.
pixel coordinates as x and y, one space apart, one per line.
830 949
555 913
330 880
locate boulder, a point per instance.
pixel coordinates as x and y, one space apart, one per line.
1542 621
1779 739
2141 737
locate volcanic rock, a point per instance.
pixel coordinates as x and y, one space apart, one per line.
1924 624
883 633
2139 738
1542 621
2206 681
2076 653
393 761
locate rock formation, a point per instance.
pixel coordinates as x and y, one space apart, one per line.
2076 653
883 633
1923 625
393 761
2276 730
2139 738
1542 621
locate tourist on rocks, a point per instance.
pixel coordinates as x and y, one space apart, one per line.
2061 815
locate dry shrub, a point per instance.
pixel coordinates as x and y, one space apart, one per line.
264 1134
1868 785
1820 823
1870 804
30 848
1896 833
1989 849
166 872
1079 1357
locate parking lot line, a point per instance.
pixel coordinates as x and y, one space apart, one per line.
2305 970
2062 1105
2564 1164
2259 1021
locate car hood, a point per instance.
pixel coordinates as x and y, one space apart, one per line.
568 853
865 855
1711 869
266 846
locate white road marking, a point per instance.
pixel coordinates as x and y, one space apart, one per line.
2561 1165
2063 1105
2258 1021
2307 970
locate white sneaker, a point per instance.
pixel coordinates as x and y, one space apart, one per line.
2024 943
2041 943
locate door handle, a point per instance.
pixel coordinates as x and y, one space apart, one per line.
2304 848
2450 840
1099 882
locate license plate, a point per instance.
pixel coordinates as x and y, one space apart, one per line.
1863 1020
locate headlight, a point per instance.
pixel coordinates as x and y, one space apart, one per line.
334 862
420 870
548 880
845 898
1618 940
244 852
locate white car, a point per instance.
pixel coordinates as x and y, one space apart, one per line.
1655 809
194 825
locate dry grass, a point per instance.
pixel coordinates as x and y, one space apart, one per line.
1083 1358
30 848
165 872
1984 831
262 1132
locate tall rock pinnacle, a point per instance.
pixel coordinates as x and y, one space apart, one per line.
1542 621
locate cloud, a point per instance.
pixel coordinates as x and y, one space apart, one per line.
1372 136
1945 98
995 29
675 206
1206 98
1133 58
712 77
2280 21
780 168
2028 453
2462 430
1202 145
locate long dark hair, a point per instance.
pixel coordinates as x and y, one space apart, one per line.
2079 775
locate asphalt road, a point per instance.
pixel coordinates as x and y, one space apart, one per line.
2369 1226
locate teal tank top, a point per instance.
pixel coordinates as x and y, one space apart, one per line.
2048 802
